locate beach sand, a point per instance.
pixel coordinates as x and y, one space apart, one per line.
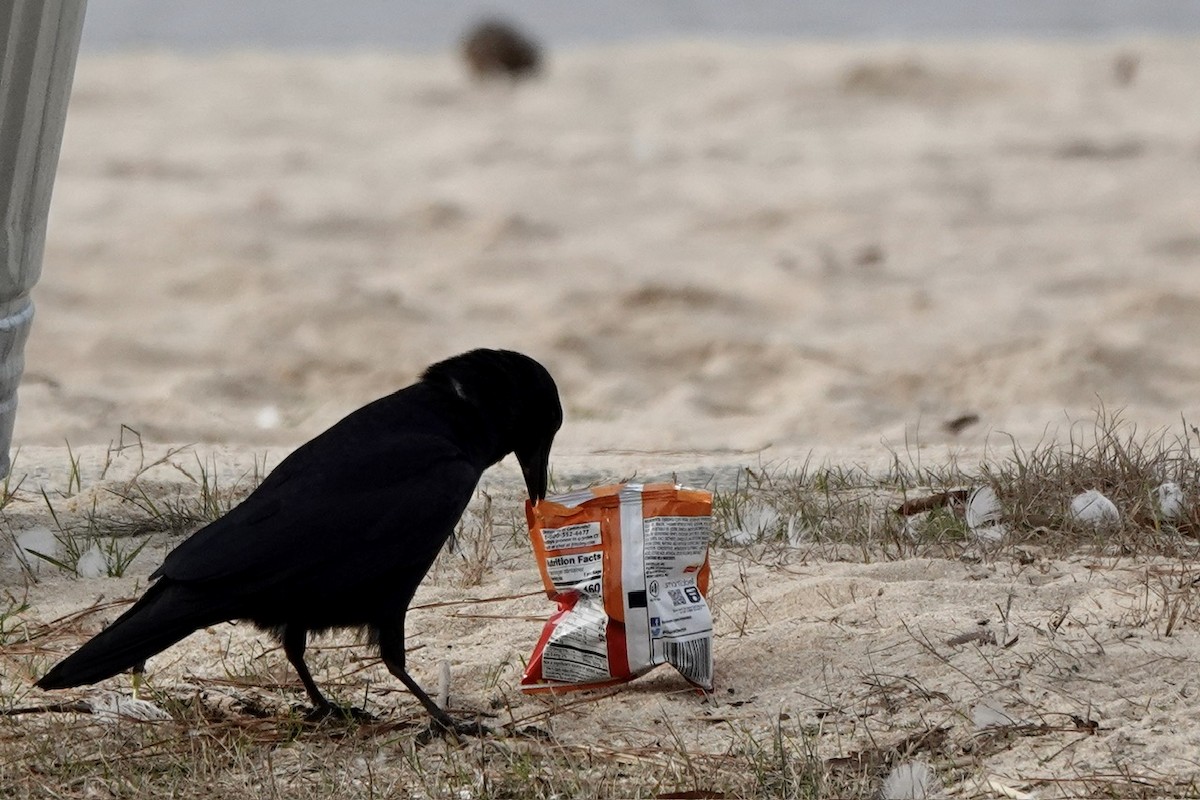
716 248
727 255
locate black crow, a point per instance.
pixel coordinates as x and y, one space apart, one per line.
343 530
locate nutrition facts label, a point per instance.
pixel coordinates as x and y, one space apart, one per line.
578 652
582 572
628 566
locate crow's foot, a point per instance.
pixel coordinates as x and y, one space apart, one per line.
331 711
448 727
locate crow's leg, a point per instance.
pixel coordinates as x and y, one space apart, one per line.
138 671
391 648
295 640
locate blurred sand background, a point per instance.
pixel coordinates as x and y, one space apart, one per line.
744 250
727 253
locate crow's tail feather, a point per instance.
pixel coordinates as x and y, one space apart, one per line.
163 616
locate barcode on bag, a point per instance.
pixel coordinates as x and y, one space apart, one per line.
693 658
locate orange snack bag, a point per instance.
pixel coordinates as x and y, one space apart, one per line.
628 566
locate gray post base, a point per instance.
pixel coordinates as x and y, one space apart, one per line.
40 40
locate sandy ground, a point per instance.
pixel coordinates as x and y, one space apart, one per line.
726 255
1072 675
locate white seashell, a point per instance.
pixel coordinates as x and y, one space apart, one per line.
797 534
91 564
987 716
1094 509
741 536
984 515
29 543
268 418
1004 790
113 708
911 529
1170 500
758 521
912 780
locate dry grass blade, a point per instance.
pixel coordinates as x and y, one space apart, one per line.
470 601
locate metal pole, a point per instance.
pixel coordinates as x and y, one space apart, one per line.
40 40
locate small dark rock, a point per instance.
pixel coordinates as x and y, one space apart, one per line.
960 423
1125 68
493 48
869 256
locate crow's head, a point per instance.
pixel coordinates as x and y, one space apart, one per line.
519 402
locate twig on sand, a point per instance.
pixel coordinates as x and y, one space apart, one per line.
940 500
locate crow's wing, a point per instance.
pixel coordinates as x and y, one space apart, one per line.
336 518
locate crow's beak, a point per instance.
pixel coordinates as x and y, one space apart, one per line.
535 466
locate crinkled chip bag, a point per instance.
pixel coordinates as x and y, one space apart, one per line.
628 566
